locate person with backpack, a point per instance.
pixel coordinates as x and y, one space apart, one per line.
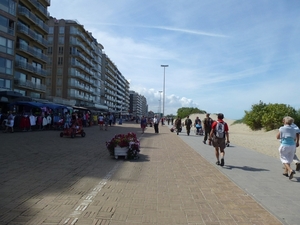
178 125
188 124
207 122
219 134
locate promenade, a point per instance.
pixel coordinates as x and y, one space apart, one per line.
45 179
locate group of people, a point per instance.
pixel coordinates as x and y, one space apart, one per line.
216 132
105 120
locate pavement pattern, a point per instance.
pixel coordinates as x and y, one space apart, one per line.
47 180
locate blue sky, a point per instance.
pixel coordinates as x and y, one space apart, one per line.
223 56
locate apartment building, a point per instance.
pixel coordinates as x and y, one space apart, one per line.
75 62
116 87
138 105
23 32
31 44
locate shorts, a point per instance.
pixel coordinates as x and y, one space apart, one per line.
219 143
101 122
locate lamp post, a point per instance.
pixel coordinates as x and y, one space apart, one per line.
159 108
164 90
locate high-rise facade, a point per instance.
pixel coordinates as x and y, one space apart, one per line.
23 33
75 62
116 87
138 104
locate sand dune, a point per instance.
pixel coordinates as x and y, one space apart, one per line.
242 135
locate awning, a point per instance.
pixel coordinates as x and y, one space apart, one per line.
103 107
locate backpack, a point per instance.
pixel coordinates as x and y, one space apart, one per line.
208 123
188 122
220 129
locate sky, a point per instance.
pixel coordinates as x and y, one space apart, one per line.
222 55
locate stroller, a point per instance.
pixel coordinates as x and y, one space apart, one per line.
199 130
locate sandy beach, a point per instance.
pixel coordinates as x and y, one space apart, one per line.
241 135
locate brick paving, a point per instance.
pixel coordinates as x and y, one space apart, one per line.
45 179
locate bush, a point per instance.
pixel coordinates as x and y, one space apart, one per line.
253 118
269 116
273 115
185 111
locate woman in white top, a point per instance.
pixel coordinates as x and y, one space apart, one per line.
101 121
10 122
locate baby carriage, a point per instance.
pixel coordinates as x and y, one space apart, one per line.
199 130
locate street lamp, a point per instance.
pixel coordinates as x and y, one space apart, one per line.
164 90
159 108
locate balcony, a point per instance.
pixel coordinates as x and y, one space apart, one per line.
30 68
33 35
40 7
30 85
30 50
25 12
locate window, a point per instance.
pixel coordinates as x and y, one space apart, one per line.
50 40
4 83
35 95
61 30
6 25
49 50
60 50
60 60
20 76
9 6
37 65
36 80
5 66
6 45
61 40
58 81
59 72
58 92
20 91
51 30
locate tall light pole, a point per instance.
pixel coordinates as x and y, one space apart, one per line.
164 90
159 108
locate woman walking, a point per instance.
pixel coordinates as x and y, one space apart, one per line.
287 148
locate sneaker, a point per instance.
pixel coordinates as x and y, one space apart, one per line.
218 163
297 166
222 162
204 142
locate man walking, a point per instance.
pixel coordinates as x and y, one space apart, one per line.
219 134
188 124
155 121
207 122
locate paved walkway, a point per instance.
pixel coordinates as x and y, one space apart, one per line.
45 179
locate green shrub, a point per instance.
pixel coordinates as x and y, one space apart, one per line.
253 118
269 116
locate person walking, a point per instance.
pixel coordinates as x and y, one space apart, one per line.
188 124
219 134
178 125
101 121
106 121
111 118
287 135
143 123
207 122
155 122
198 125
